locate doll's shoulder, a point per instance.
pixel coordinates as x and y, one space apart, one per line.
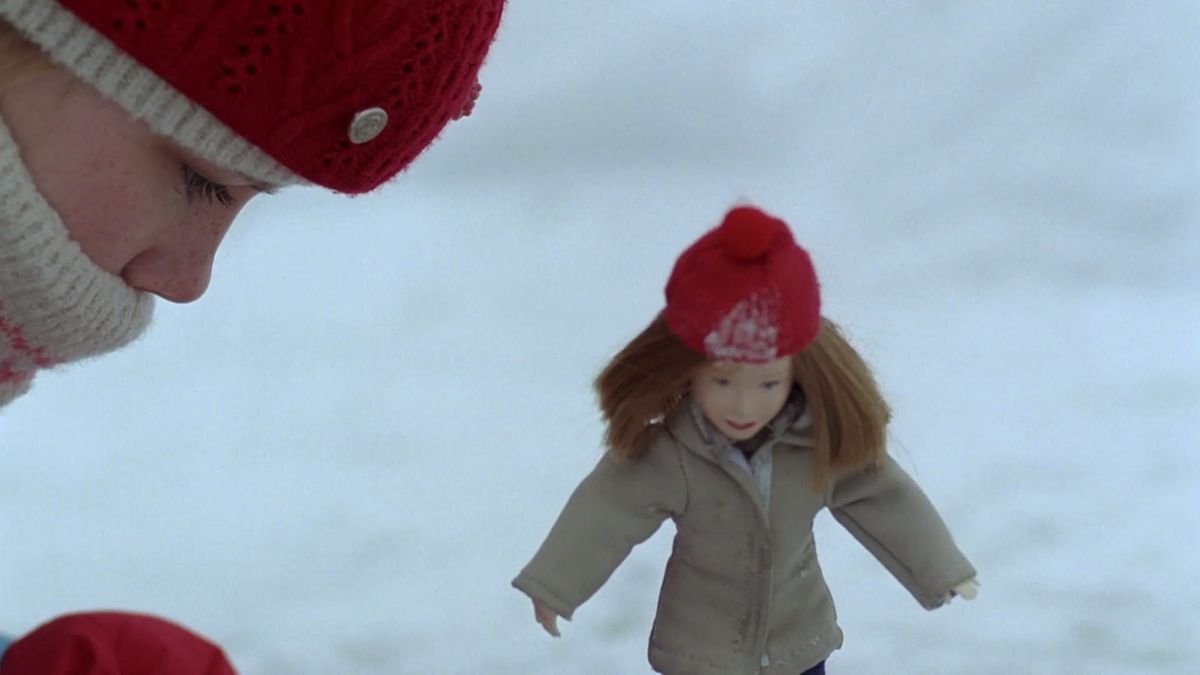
668 444
661 453
656 475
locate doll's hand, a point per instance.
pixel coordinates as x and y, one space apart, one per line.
545 616
967 589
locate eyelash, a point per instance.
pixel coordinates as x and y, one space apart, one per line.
197 185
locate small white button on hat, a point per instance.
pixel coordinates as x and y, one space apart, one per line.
367 124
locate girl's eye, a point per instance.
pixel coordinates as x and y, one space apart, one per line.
196 185
771 385
721 381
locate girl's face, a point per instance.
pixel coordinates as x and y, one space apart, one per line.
139 206
740 399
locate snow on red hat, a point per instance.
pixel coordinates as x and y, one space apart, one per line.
745 291
338 93
113 643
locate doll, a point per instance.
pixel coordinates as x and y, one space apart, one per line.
739 413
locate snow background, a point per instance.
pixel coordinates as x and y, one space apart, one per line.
339 458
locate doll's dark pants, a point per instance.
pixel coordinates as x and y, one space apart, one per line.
818 669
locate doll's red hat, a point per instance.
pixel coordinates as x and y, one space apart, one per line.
338 93
745 291
113 643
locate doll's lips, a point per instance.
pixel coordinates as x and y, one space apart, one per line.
740 427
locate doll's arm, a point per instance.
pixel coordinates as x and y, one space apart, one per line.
889 515
617 506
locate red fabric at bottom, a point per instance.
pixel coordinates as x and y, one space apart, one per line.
113 643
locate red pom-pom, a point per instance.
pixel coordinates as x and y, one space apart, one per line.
747 233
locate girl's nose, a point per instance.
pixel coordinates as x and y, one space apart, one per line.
741 404
178 265
175 276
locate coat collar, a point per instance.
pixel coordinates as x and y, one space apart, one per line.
792 426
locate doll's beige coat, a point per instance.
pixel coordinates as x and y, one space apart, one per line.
743 592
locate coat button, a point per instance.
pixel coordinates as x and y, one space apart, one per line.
367 124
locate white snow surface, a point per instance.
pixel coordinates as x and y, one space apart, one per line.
337 460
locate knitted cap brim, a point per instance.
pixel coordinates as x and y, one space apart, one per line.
91 57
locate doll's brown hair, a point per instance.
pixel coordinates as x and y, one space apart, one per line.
647 379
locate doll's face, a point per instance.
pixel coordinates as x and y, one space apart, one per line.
138 205
740 399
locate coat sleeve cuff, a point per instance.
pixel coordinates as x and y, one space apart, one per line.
537 591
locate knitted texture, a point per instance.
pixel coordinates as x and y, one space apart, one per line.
113 643
745 291
12 389
340 93
56 305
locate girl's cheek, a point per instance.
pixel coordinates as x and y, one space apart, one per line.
117 232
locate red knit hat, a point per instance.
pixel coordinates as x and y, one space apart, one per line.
113 643
745 291
343 94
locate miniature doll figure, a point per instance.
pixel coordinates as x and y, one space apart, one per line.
739 413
